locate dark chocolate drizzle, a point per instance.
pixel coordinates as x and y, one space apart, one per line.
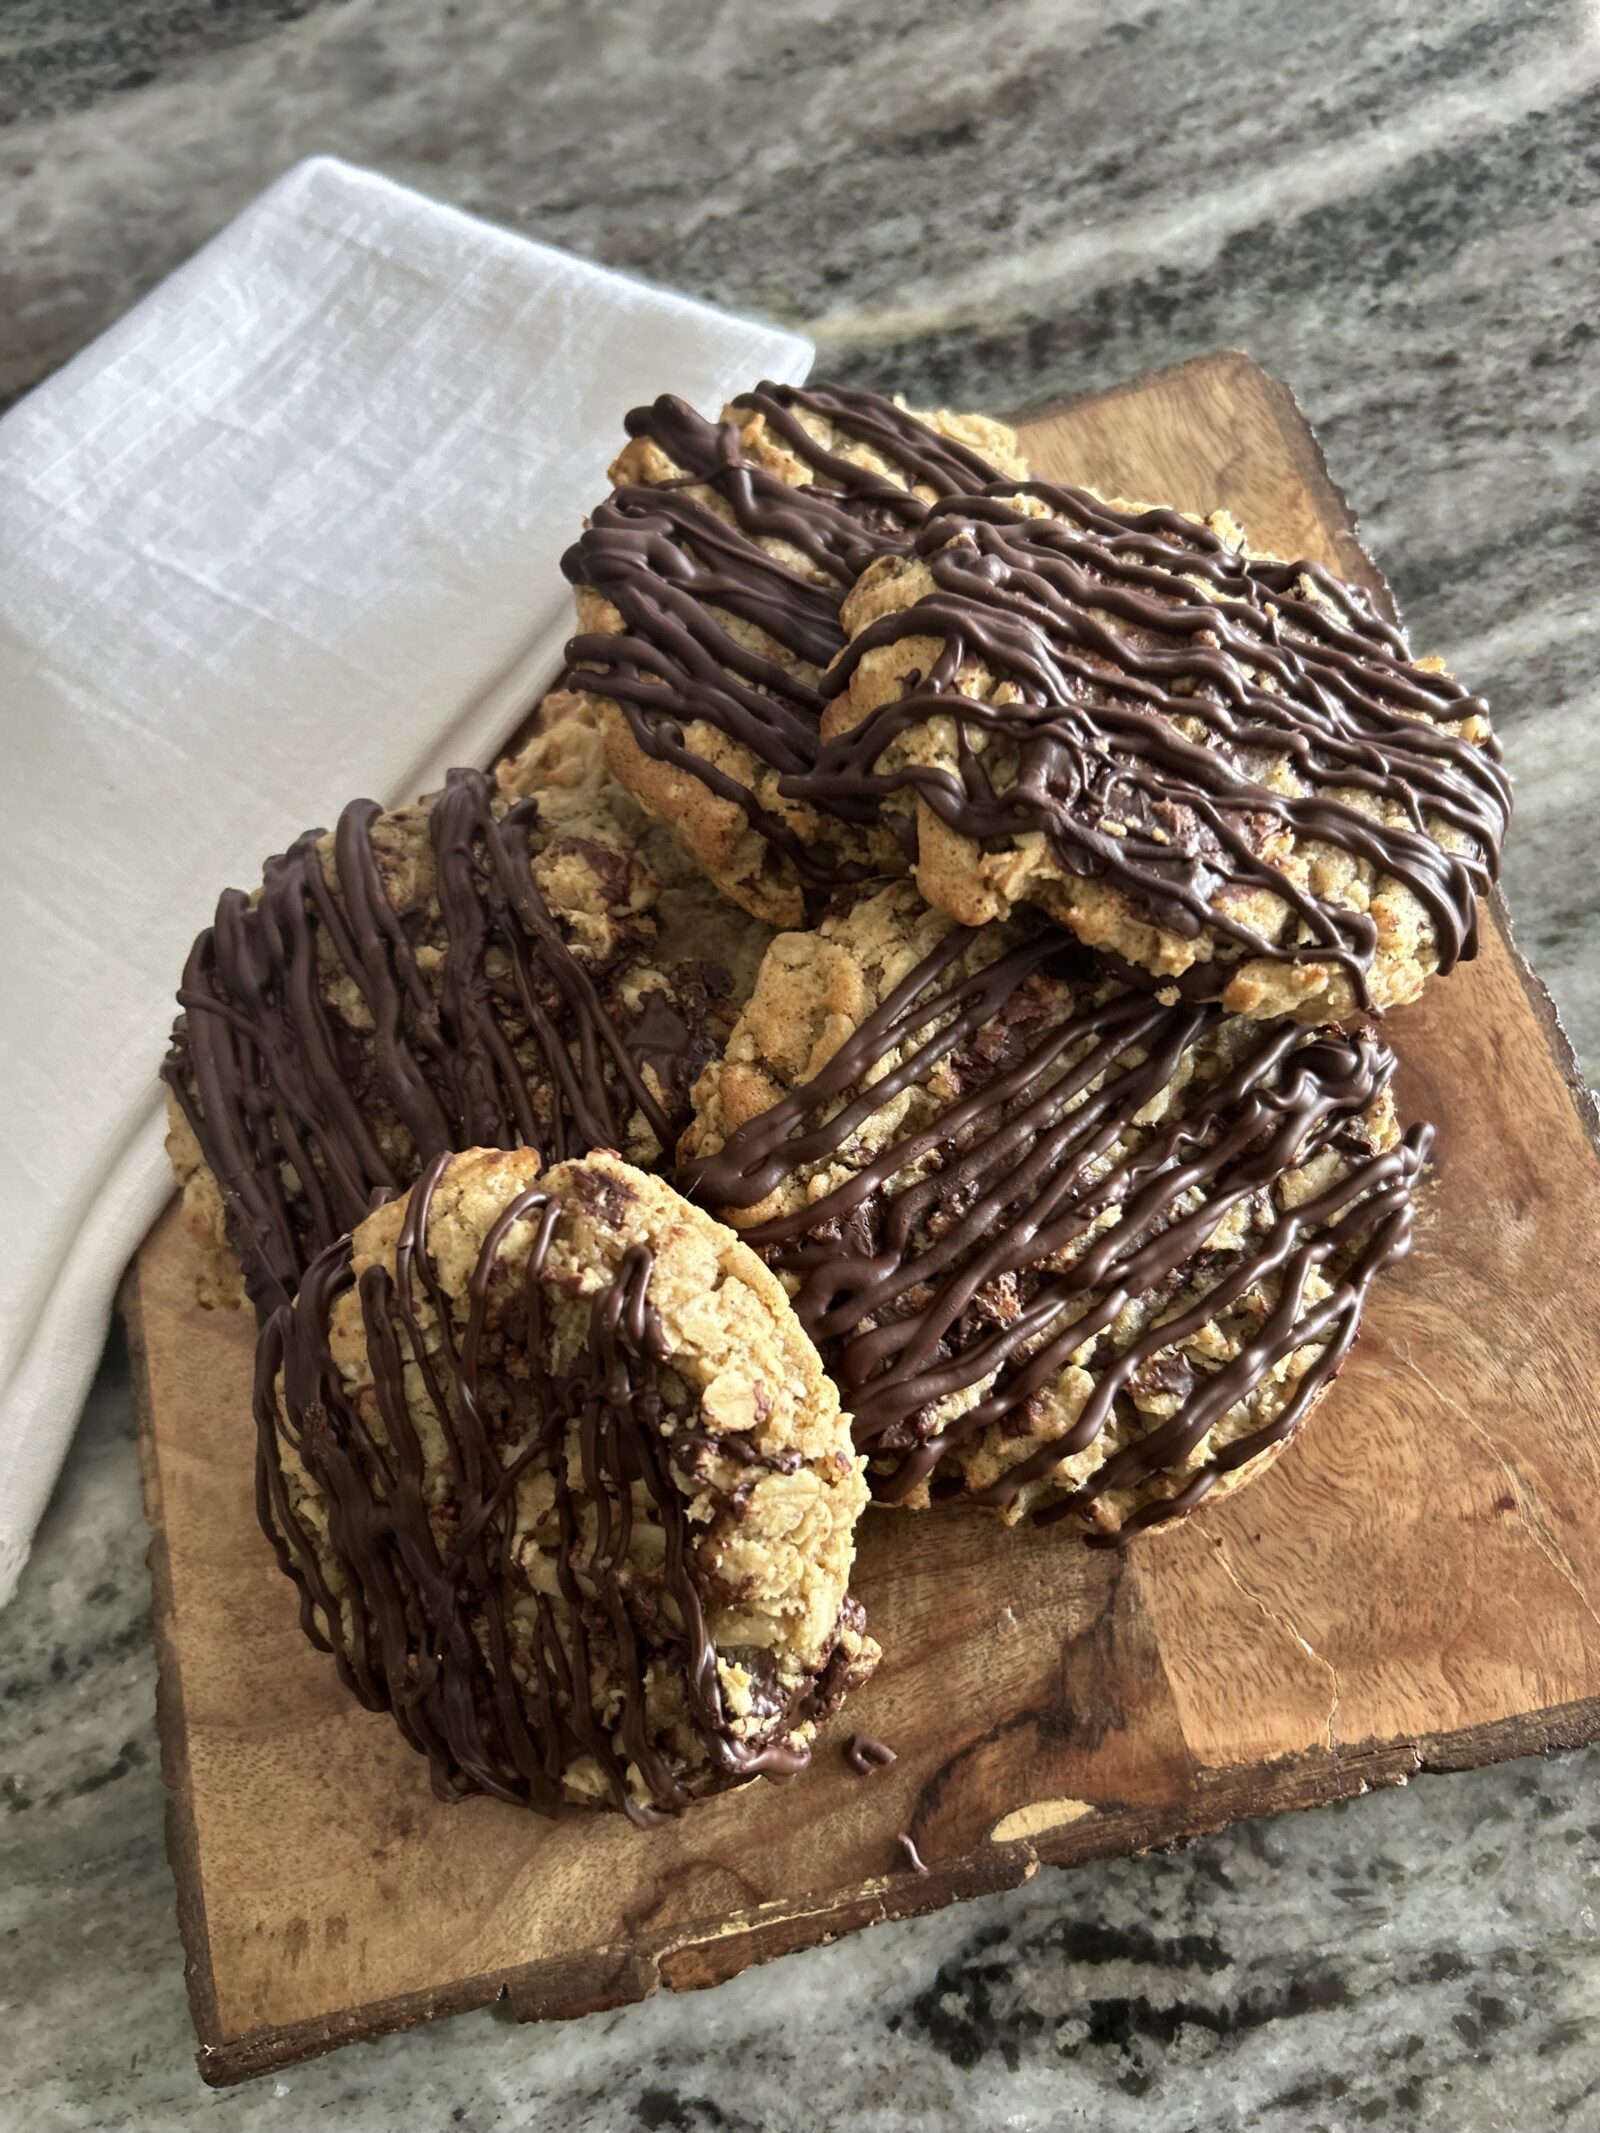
917 1288
507 1038
427 1626
866 1755
1092 734
665 561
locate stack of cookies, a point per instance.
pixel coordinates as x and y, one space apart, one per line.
906 1028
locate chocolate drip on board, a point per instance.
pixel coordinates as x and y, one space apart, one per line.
665 560
980 1274
434 1619
866 1755
503 1038
1095 619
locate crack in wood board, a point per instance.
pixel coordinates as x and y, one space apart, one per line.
1274 1614
1526 1501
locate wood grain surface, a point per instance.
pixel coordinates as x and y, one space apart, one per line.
1413 1586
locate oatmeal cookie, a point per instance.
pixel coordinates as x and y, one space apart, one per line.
564 769
708 589
564 1488
492 966
1224 770
1065 1249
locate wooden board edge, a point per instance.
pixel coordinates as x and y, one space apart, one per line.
1355 560
1314 466
172 1733
1552 1028
691 1959
1295 428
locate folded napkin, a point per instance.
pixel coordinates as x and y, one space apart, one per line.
287 534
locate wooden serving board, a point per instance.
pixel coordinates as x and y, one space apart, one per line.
1413 1587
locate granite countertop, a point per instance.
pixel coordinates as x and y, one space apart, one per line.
1393 209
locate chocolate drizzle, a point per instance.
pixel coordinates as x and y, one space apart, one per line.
433 1613
481 1028
866 1755
952 1276
668 562
1112 625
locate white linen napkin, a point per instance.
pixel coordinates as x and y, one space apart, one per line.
287 534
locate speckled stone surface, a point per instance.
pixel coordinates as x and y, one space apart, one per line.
1396 210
